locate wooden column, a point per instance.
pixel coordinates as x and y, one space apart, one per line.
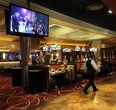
25 50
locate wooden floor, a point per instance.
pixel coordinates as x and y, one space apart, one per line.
104 99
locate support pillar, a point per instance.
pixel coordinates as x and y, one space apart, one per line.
25 50
97 44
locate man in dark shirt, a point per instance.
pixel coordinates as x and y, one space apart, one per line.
91 69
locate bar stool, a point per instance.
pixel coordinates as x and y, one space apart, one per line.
17 76
35 81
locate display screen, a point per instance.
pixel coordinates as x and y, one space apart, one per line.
24 21
11 57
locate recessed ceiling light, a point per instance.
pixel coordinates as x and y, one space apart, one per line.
12 45
95 7
110 11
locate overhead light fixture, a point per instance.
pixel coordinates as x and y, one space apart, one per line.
93 49
12 45
83 49
4 50
77 48
95 7
45 48
6 39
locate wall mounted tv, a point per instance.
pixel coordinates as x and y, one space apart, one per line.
26 22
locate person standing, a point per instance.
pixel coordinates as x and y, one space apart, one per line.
91 67
15 22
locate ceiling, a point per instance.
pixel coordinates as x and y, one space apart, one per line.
91 11
79 25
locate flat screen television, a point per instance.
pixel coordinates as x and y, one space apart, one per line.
11 57
26 22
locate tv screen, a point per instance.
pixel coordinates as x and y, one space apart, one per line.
24 21
11 57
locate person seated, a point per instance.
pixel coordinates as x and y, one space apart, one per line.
105 67
65 60
35 60
99 65
71 59
40 58
43 61
51 60
77 59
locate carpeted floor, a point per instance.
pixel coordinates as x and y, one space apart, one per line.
13 98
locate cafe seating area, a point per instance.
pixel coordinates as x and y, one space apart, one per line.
48 78
6 66
55 75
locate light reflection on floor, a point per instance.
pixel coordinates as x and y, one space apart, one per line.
104 99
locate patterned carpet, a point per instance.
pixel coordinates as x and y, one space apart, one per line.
16 98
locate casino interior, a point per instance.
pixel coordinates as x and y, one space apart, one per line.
76 29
